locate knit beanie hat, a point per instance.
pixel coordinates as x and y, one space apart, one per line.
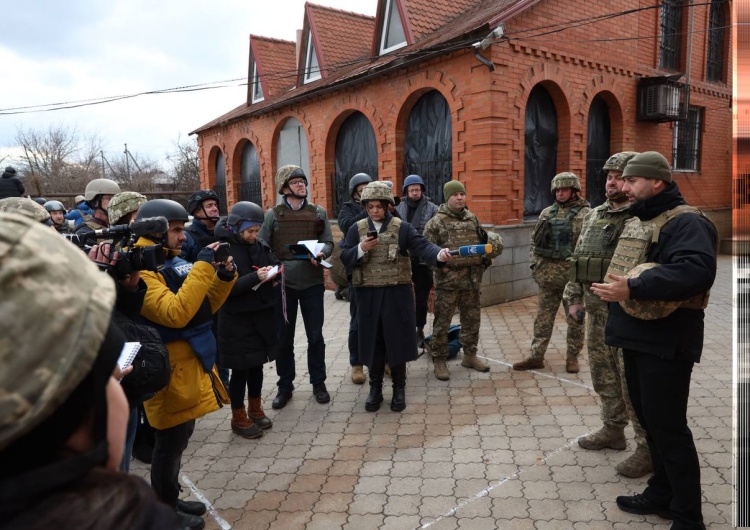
649 164
248 224
451 187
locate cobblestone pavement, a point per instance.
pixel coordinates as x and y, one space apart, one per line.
481 451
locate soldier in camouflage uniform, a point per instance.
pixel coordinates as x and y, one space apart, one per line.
457 284
296 219
602 227
26 207
552 242
123 207
661 342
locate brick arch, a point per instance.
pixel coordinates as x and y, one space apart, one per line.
608 89
416 87
213 154
233 192
269 183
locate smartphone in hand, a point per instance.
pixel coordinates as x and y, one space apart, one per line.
373 234
222 253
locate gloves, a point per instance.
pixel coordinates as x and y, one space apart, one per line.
206 254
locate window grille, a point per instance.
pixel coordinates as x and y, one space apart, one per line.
716 36
686 143
671 37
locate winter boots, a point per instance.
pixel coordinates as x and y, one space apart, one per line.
636 465
242 425
441 368
609 436
256 415
472 361
358 374
398 374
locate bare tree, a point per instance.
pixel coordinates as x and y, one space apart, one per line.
185 171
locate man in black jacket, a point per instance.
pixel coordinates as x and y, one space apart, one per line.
10 186
658 323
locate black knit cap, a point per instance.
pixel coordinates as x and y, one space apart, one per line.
10 170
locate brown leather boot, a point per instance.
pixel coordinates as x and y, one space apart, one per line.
636 465
242 425
255 413
571 365
358 374
472 361
609 436
529 364
441 369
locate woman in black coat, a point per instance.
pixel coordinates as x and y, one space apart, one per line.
247 320
376 252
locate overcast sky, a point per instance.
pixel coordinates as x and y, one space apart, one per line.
53 52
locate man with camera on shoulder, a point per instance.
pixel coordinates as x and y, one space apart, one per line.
180 302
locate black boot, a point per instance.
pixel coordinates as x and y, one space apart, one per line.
398 375
375 398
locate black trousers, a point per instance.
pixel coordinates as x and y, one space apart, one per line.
421 276
250 378
167 459
659 390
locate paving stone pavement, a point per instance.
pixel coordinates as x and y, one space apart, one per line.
480 451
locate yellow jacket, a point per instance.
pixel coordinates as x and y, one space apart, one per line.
191 392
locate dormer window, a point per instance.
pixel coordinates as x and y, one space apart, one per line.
393 36
312 68
257 87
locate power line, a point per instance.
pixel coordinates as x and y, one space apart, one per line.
293 74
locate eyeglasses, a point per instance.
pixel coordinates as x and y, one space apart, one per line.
297 182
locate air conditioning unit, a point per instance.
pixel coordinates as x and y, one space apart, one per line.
661 99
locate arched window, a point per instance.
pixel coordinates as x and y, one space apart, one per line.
250 189
291 148
356 152
221 182
540 151
597 151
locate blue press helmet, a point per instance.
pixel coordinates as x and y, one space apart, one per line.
411 180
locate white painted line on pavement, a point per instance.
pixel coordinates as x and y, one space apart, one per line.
544 374
211 510
499 483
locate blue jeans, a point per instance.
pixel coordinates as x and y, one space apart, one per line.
353 327
310 300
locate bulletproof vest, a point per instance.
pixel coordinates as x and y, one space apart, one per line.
460 233
635 242
554 237
384 265
201 237
594 251
294 226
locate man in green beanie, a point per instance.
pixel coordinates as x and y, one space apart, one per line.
552 242
661 347
457 284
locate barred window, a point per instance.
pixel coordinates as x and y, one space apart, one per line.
686 142
671 34
716 37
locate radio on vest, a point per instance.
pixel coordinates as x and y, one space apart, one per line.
472 250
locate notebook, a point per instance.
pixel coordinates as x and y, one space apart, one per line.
128 353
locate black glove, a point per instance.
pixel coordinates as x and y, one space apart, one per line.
206 254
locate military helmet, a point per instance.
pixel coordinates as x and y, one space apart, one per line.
618 161
197 198
410 181
54 206
59 347
647 309
26 207
377 191
124 203
245 211
41 201
79 198
356 180
566 179
287 173
100 187
169 209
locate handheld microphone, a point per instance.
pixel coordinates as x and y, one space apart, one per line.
472 250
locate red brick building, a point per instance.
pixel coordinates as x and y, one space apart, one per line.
500 95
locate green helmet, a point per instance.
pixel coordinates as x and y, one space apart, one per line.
566 179
124 203
287 173
618 161
377 191
24 206
57 317
647 309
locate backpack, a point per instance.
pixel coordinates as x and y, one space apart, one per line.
454 341
151 368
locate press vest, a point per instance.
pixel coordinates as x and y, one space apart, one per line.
461 232
554 237
294 226
594 251
383 265
636 240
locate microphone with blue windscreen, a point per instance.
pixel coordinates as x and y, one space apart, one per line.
472 250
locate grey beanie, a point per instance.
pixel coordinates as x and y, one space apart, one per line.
650 165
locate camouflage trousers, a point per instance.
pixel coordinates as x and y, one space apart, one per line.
608 369
550 296
446 302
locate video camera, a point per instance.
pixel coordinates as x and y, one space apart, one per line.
128 258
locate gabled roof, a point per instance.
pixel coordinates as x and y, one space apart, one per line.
276 64
455 34
339 36
424 18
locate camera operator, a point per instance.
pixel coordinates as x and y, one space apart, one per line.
180 302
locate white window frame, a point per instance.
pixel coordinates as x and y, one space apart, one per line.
386 24
310 76
257 87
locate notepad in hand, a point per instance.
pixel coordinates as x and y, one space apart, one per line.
128 353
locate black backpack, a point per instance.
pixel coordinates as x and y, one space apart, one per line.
151 368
